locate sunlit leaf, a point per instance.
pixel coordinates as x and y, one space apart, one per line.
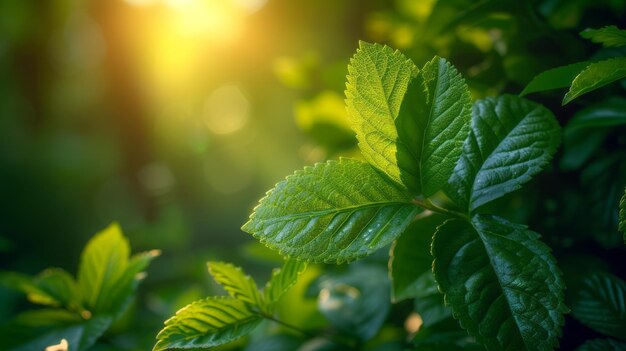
501 282
601 305
207 323
282 279
555 78
511 140
238 285
607 36
332 212
596 75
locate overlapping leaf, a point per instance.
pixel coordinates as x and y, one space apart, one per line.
378 78
511 139
501 281
555 78
609 36
596 75
433 124
207 323
239 285
332 212
601 305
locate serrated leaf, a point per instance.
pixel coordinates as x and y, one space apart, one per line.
282 279
207 323
238 285
608 36
332 212
501 282
511 140
622 215
433 124
602 345
378 78
555 78
596 75
410 261
601 305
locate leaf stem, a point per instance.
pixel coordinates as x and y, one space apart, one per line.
330 337
429 205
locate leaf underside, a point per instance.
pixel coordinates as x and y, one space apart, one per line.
596 75
501 282
511 139
336 211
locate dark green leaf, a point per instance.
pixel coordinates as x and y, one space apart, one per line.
207 323
607 36
332 212
609 113
511 140
622 215
378 78
238 285
555 78
433 124
601 304
501 282
432 308
596 75
602 345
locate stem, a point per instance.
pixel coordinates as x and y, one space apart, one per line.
427 204
330 337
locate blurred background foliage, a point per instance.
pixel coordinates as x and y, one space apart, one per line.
173 117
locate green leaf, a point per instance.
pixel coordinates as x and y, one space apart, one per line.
608 36
378 78
432 308
433 124
332 212
608 113
596 75
501 282
55 287
238 285
511 140
282 279
555 78
410 261
207 323
622 215
601 305
602 345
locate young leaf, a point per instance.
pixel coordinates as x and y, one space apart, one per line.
622 215
602 345
410 261
378 78
207 323
332 212
240 286
511 139
433 124
596 75
608 36
282 279
501 282
555 78
601 305
56 287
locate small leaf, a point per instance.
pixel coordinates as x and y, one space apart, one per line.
511 140
608 36
433 124
555 78
332 212
608 113
501 282
596 75
378 78
410 261
238 285
207 323
602 345
282 279
601 305
622 215
56 287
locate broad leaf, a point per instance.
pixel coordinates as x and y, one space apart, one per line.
511 140
378 78
433 124
602 345
239 285
596 75
601 305
501 282
622 215
410 261
207 323
555 78
332 212
282 279
608 36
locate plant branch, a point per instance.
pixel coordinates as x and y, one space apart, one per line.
429 205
